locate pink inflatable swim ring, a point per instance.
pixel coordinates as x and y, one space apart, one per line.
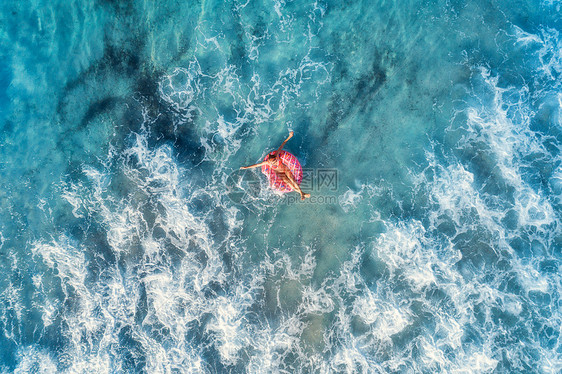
274 180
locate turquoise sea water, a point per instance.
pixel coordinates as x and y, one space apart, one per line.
431 137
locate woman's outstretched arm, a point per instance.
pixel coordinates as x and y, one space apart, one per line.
254 166
283 144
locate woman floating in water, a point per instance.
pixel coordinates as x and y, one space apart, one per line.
276 168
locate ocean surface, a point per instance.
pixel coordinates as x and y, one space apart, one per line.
430 133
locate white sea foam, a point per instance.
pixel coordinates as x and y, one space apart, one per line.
273 344
385 319
316 301
504 127
501 130
350 199
178 296
402 248
410 251
549 51
11 305
34 360
88 319
180 88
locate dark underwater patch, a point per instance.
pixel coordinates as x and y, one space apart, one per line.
118 6
124 63
98 107
5 80
351 96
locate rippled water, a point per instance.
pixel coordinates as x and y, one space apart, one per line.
431 136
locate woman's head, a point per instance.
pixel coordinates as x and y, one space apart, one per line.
272 158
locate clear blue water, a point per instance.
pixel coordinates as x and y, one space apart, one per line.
130 242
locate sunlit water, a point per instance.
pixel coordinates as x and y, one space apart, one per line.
430 133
